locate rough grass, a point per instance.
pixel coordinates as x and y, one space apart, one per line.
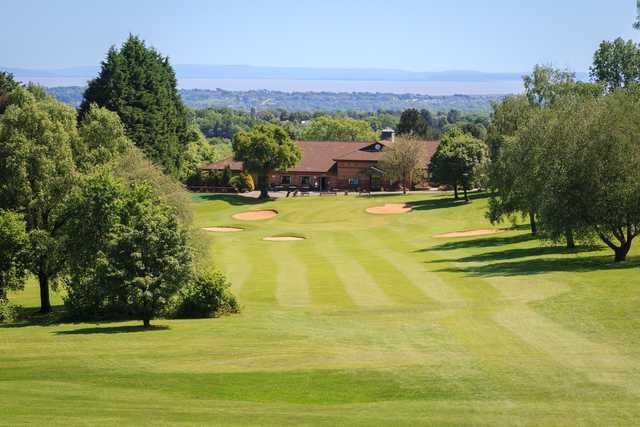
370 320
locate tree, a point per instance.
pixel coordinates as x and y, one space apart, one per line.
326 128
517 175
7 85
616 64
37 173
14 245
128 253
593 184
41 156
139 84
197 152
102 138
460 161
402 160
544 83
263 149
412 123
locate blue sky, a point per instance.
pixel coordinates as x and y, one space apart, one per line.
490 35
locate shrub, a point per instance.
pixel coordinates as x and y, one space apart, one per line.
243 182
8 311
205 295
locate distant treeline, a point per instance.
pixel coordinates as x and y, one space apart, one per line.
264 100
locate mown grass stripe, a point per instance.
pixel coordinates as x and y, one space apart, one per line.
325 286
292 285
393 282
359 283
260 285
406 258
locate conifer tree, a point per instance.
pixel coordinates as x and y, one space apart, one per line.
139 84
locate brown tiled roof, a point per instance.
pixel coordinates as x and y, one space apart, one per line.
361 155
320 156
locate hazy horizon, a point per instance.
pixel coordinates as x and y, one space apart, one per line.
412 35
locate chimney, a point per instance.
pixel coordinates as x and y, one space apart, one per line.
387 134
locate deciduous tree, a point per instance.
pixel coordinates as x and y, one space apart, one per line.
263 149
460 161
128 254
37 173
403 159
14 247
326 128
616 64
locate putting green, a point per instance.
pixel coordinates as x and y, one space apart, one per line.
370 320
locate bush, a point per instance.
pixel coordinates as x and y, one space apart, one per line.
8 311
242 182
206 295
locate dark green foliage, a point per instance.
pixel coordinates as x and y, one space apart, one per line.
226 175
591 162
7 85
460 161
412 123
205 295
139 84
265 148
128 255
616 64
14 247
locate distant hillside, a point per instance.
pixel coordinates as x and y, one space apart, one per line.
187 71
311 101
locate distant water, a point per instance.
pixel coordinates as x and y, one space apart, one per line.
419 87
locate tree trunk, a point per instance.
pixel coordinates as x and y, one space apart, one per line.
571 244
532 221
622 251
45 301
466 196
455 191
146 322
264 186
625 244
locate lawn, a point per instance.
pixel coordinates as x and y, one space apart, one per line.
370 320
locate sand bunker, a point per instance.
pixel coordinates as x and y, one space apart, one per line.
254 215
390 208
222 229
282 238
470 233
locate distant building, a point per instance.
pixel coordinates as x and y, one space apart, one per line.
328 165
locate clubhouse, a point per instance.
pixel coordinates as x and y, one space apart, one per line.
333 165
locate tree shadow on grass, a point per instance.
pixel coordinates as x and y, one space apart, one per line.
232 199
481 242
443 203
510 254
546 265
113 330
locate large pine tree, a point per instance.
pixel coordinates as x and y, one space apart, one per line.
139 84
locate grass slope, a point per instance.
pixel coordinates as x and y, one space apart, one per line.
370 320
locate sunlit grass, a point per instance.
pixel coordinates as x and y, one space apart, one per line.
370 320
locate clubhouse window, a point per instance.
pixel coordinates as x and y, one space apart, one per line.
354 180
305 180
285 180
